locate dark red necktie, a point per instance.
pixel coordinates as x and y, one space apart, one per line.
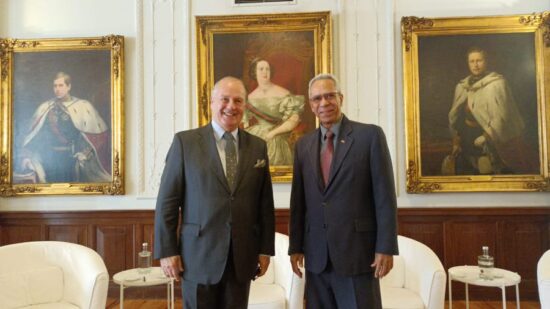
326 155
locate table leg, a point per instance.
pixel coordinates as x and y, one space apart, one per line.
121 296
467 297
168 295
517 296
450 292
503 288
172 294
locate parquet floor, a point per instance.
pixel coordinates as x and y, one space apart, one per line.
161 304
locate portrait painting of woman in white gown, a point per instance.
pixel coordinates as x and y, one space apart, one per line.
272 113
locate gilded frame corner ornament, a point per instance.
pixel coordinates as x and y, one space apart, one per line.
92 71
441 96
262 35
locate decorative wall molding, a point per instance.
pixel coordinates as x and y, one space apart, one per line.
159 108
140 96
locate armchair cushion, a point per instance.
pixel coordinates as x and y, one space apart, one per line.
399 298
417 280
52 274
279 288
266 296
34 286
58 305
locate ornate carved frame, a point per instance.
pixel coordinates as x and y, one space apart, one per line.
114 44
208 27
415 30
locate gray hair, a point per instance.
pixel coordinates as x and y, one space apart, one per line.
324 76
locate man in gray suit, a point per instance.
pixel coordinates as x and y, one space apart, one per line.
216 183
343 206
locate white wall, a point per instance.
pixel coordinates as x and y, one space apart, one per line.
83 18
160 77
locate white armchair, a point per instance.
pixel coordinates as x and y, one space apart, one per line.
543 280
417 280
279 288
52 274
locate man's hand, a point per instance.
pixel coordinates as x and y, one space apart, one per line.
382 264
172 266
297 261
263 264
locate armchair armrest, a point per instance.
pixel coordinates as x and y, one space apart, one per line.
291 283
424 272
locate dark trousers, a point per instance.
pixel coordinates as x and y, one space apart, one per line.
229 293
329 290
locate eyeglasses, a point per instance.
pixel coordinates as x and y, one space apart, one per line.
329 96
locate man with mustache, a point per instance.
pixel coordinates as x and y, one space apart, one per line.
342 207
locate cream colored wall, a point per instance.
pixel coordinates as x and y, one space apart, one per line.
160 77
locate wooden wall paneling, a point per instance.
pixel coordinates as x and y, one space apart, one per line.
517 236
115 244
282 218
519 231
466 240
77 234
425 231
523 244
12 234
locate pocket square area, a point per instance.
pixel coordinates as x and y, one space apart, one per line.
259 163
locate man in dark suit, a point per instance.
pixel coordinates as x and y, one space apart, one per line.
216 182
343 206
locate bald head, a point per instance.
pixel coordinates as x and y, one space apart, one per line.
228 103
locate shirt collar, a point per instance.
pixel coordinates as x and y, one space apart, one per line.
219 131
335 128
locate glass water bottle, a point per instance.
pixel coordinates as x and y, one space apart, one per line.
144 260
486 264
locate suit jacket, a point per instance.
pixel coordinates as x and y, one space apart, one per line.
354 216
213 216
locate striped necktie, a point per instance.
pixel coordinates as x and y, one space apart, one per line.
230 159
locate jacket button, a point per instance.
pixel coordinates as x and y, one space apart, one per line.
324 204
324 226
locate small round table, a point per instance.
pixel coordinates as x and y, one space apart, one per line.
132 278
470 275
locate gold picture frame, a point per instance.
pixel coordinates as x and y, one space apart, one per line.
476 92
69 139
295 46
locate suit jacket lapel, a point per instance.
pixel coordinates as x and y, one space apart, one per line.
314 150
344 142
244 157
207 142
